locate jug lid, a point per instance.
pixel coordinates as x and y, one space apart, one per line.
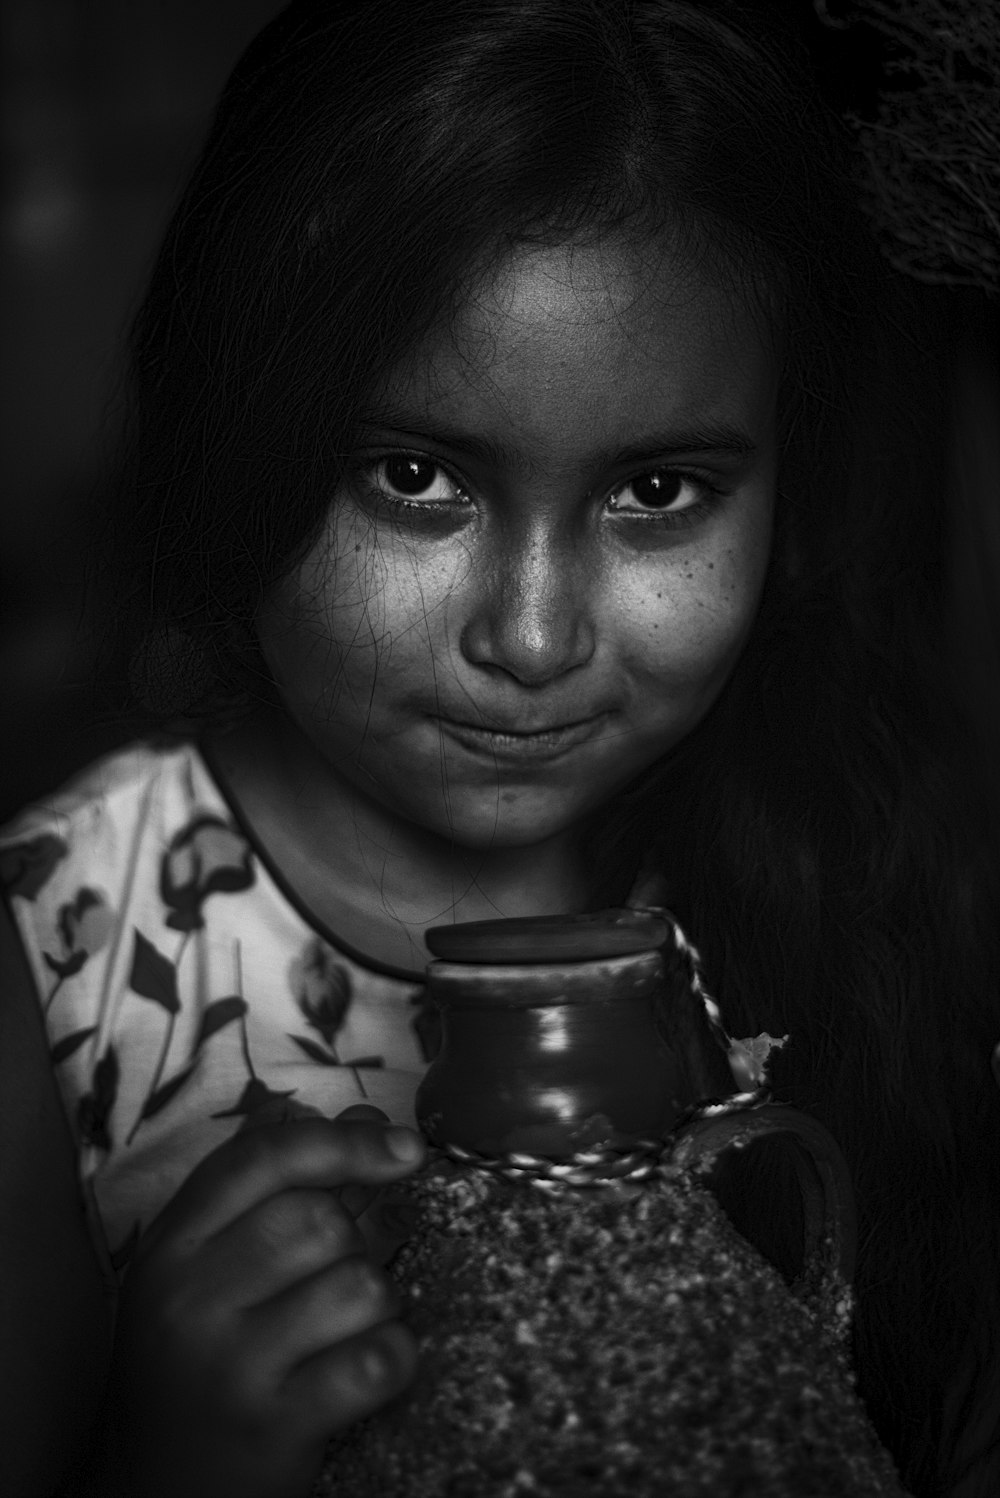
550 938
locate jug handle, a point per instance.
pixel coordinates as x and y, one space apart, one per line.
829 1216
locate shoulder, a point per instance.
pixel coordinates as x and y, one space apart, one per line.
110 784
98 848
101 809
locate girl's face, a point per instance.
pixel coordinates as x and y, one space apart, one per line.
548 555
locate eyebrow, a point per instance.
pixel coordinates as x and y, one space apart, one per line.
719 438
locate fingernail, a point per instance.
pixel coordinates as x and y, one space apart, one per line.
363 1111
403 1144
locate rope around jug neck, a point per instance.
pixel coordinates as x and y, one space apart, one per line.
640 1161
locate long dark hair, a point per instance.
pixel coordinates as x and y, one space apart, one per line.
367 159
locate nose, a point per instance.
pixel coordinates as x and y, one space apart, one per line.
531 611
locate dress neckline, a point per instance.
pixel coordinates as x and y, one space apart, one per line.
218 778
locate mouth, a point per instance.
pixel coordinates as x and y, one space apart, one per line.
544 742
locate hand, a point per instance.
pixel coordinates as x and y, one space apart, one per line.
384 1220
255 1322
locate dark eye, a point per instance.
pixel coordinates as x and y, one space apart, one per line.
403 476
657 489
409 475
665 495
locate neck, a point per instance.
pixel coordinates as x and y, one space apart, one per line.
375 879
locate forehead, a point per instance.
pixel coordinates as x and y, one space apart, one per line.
590 339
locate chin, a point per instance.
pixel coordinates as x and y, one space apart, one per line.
490 825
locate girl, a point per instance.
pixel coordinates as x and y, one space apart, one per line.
516 510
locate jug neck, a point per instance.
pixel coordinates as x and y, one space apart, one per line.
529 985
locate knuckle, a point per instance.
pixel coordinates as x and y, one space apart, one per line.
358 1376
295 1217
363 1282
276 1222
375 1367
387 1357
321 1216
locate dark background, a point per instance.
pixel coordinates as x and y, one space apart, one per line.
105 103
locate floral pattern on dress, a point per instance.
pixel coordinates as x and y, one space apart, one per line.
94 1109
85 924
321 986
207 856
152 1033
256 1099
26 867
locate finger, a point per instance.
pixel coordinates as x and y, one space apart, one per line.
282 1110
309 1152
345 1383
346 1299
357 1198
281 1241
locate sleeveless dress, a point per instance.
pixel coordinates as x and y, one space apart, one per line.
183 988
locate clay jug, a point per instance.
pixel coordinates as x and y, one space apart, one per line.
596 1032
590 1321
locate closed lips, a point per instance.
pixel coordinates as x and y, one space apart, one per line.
521 732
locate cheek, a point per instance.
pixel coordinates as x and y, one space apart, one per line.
357 613
326 612
689 623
